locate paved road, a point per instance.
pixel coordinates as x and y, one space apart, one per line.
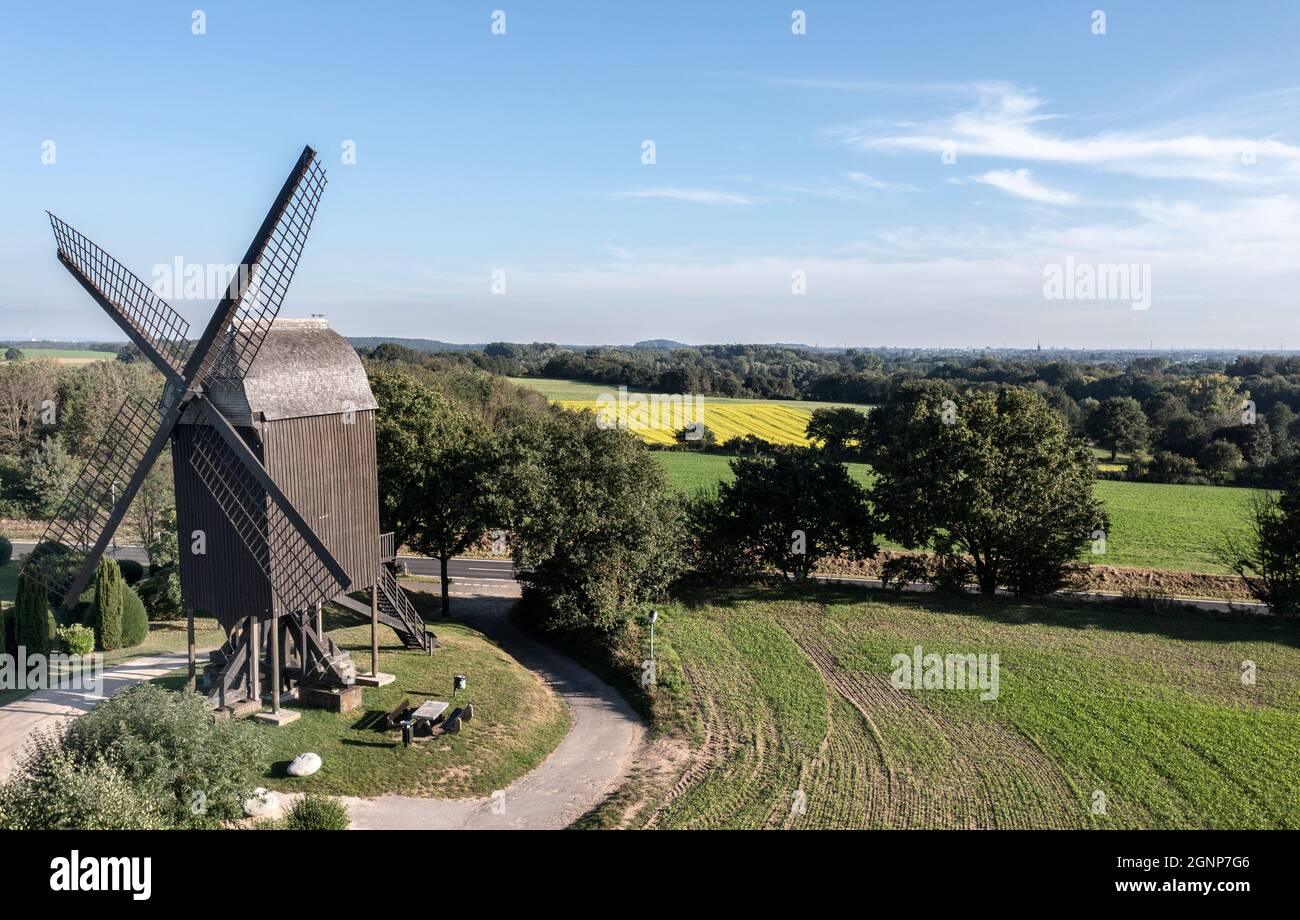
469 572
589 763
494 573
45 709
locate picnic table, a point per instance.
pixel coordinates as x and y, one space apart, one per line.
429 711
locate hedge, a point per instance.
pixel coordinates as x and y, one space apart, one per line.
135 622
108 605
34 624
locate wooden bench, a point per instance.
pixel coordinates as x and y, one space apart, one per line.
399 715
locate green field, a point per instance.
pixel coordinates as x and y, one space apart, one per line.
795 722
1152 526
66 355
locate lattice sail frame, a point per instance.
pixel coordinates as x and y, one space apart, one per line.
139 308
259 296
84 514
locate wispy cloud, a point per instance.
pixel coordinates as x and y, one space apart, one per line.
1022 184
694 195
1008 122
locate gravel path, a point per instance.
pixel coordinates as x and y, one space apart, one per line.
589 763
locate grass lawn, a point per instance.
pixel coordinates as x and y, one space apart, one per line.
791 693
517 722
1153 525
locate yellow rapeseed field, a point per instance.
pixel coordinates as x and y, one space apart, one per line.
769 421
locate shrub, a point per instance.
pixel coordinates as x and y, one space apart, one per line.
1270 559
77 639
108 605
132 571
53 790
788 510
6 550
161 593
135 622
315 812
33 622
169 747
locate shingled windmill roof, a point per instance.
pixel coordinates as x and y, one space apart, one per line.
304 368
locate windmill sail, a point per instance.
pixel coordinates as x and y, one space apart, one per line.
244 316
89 515
151 323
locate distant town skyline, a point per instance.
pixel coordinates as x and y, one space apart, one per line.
939 175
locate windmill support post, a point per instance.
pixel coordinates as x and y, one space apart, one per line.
254 652
275 660
374 630
190 646
375 678
277 715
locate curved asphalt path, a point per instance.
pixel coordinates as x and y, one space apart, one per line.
588 764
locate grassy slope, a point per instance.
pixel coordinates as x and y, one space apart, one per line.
517 722
1152 525
792 694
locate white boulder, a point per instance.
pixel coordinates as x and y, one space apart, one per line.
304 764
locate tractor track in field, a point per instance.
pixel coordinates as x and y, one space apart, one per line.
980 774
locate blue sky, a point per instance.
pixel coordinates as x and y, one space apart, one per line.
1170 143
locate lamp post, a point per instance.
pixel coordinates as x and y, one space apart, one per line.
113 509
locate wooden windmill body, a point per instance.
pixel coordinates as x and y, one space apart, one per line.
272 427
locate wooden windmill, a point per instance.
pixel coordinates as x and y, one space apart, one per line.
271 423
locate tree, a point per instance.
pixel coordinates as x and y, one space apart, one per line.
695 436
1220 457
595 526
1255 441
1184 434
788 510
1269 560
33 621
1280 418
153 514
1118 424
992 482
27 391
1215 398
108 605
89 399
50 475
13 354
838 431
438 472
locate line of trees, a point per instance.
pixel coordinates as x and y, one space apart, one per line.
1218 419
